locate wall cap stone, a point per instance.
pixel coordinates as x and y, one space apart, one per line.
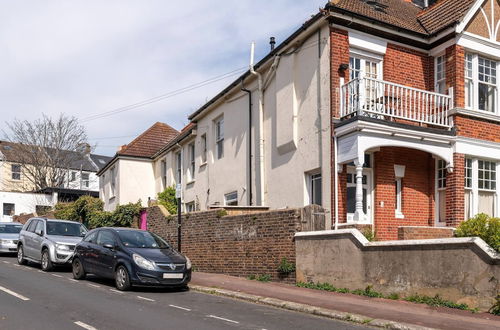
450 242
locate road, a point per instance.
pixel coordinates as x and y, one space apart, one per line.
32 299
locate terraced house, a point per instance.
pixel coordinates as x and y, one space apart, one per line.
384 112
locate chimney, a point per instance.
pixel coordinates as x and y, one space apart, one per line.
272 42
120 148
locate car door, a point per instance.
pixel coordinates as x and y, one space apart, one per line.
28 238
37 240
87 250
106 255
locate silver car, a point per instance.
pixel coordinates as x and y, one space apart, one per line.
49 242
9 235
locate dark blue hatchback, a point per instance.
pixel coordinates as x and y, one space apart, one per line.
130 257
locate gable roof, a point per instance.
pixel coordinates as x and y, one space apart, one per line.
404 14
150 142
79 161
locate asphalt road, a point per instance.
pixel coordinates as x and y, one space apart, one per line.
32 299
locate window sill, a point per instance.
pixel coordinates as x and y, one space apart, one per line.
481 114
203 164
399 215
189 183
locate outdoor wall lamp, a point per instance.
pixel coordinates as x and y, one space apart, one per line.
343 67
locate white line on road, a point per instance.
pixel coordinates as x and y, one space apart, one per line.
12 293
72 280
179 307
223 319
115 291
56 275
85 326
40 271
93 285
5 262
144 298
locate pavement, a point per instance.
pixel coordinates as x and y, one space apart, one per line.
33 299
373 312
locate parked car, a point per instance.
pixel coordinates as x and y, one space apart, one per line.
9 235
131 257
49 241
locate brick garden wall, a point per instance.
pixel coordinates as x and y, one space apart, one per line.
409 232
241 245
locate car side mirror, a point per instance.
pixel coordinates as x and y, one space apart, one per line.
39 232
109 246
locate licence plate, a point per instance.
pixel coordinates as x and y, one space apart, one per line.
173 275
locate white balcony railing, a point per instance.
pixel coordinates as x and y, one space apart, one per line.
385 100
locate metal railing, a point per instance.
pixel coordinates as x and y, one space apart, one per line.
385 100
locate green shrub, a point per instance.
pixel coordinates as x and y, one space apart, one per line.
66 211
436 301
286 267
495 309
221 213
263 278
124 215
393 296
168 200
251 277
369 234
100 219
482 226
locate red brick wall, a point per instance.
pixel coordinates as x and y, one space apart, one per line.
455 199
406 233
477 128
418 190
455 73
339 54
408 67
242 245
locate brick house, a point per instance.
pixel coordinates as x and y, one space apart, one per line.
415 91
385 112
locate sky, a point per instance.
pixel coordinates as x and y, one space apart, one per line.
87 58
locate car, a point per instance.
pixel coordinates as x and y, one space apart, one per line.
131 257
49 242
9 235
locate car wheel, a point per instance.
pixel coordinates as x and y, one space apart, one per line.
46 263
122 279
20 255
78 271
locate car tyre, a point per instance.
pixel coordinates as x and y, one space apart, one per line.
20 255
122 278
46 262
78 271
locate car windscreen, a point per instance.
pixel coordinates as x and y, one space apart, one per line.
142 239
10 229
65 229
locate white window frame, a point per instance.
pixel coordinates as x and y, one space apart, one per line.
203 149
16 173
112 183
178 167
231 198
84 183
190 207
441 175
440 74
219 137
368 185
399 199
192 161
312 179
364 57
163 173
474 206
474 81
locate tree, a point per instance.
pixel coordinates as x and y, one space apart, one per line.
168 200
47 147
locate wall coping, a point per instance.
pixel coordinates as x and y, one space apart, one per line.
450 242
428 227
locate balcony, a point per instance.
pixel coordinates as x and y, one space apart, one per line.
389 101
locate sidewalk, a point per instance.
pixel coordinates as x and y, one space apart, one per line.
401 312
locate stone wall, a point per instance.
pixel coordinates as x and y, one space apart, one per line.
238 245
463 270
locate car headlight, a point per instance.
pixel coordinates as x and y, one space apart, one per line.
142 262
6 241
188 263
62 247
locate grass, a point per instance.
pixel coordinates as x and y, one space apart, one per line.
436 301
260 278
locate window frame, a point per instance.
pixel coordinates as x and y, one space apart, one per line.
178 167
13 210
112 182
192 161
84 183
313 179
16 175
471 84
219 137
203 149
474 190
440 81
230 201
163 173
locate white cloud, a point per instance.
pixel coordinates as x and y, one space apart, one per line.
87 57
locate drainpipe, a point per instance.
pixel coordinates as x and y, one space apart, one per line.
336 188
250 179
261 125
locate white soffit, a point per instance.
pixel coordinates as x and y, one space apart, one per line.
367 42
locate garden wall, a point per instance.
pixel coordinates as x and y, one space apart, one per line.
463 270
238 245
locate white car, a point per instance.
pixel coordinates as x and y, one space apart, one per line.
9 235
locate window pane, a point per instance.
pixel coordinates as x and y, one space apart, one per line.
486 202
442 206
487 97
316 197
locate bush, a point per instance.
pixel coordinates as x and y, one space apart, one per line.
100 219
168 200
286 267
482 226
495 309
66 211
124 214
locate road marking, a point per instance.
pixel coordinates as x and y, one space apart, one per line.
179 307
40 271
72 280
144 298
5 262
12 293
93 285
223 319
115 291
56 275
85 326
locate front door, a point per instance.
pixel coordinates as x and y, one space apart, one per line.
351 194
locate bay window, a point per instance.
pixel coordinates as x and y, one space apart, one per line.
481 83
480 187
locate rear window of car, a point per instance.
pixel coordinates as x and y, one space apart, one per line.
10 229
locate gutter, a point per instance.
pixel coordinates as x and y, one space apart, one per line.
249 154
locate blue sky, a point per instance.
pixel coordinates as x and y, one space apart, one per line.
88 57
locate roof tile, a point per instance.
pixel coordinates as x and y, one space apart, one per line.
149 142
